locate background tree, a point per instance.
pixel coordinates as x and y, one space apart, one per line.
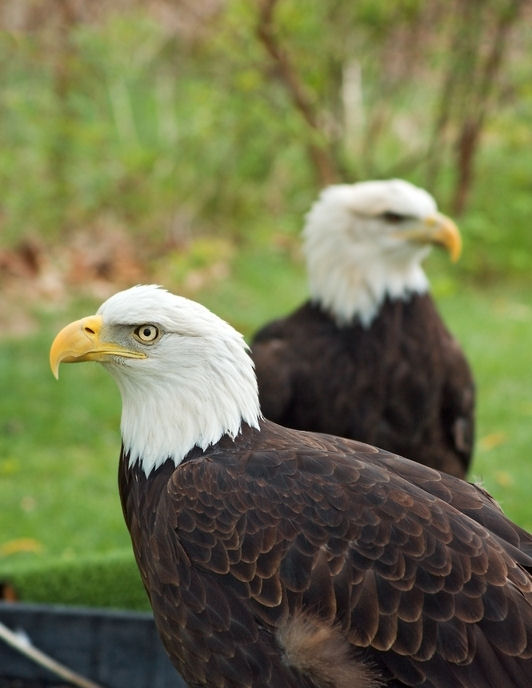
223 117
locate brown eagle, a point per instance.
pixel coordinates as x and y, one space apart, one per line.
368 356
276 558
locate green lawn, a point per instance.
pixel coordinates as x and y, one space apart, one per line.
60 440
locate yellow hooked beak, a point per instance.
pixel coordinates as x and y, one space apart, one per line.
80 341
437 229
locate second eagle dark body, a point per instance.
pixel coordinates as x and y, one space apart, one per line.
402 383
267 555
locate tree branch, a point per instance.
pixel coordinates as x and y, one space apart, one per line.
322 159
471 129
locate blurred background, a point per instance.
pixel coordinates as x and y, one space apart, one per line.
181 142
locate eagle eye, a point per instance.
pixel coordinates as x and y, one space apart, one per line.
146 334
392 217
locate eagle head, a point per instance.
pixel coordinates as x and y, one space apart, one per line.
185 375
364 242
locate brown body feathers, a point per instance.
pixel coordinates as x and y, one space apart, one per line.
298 560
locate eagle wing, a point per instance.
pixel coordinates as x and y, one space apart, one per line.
421 573
458 402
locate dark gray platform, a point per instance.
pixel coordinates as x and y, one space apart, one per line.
117 649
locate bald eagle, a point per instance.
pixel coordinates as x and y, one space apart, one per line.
279 558
368 356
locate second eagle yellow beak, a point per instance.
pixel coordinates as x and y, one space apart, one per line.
437 229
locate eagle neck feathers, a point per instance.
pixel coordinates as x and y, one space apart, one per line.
166 415
350 290
351 265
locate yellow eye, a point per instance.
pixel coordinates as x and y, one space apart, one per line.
146 333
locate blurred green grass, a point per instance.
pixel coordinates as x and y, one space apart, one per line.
60 440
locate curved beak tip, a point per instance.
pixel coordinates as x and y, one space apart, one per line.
55 360
455 247
444 231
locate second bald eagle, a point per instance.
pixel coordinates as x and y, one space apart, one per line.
368 356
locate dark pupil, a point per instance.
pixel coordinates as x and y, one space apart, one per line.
146 331
392 217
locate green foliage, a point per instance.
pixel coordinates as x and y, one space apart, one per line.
497 239
166 134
